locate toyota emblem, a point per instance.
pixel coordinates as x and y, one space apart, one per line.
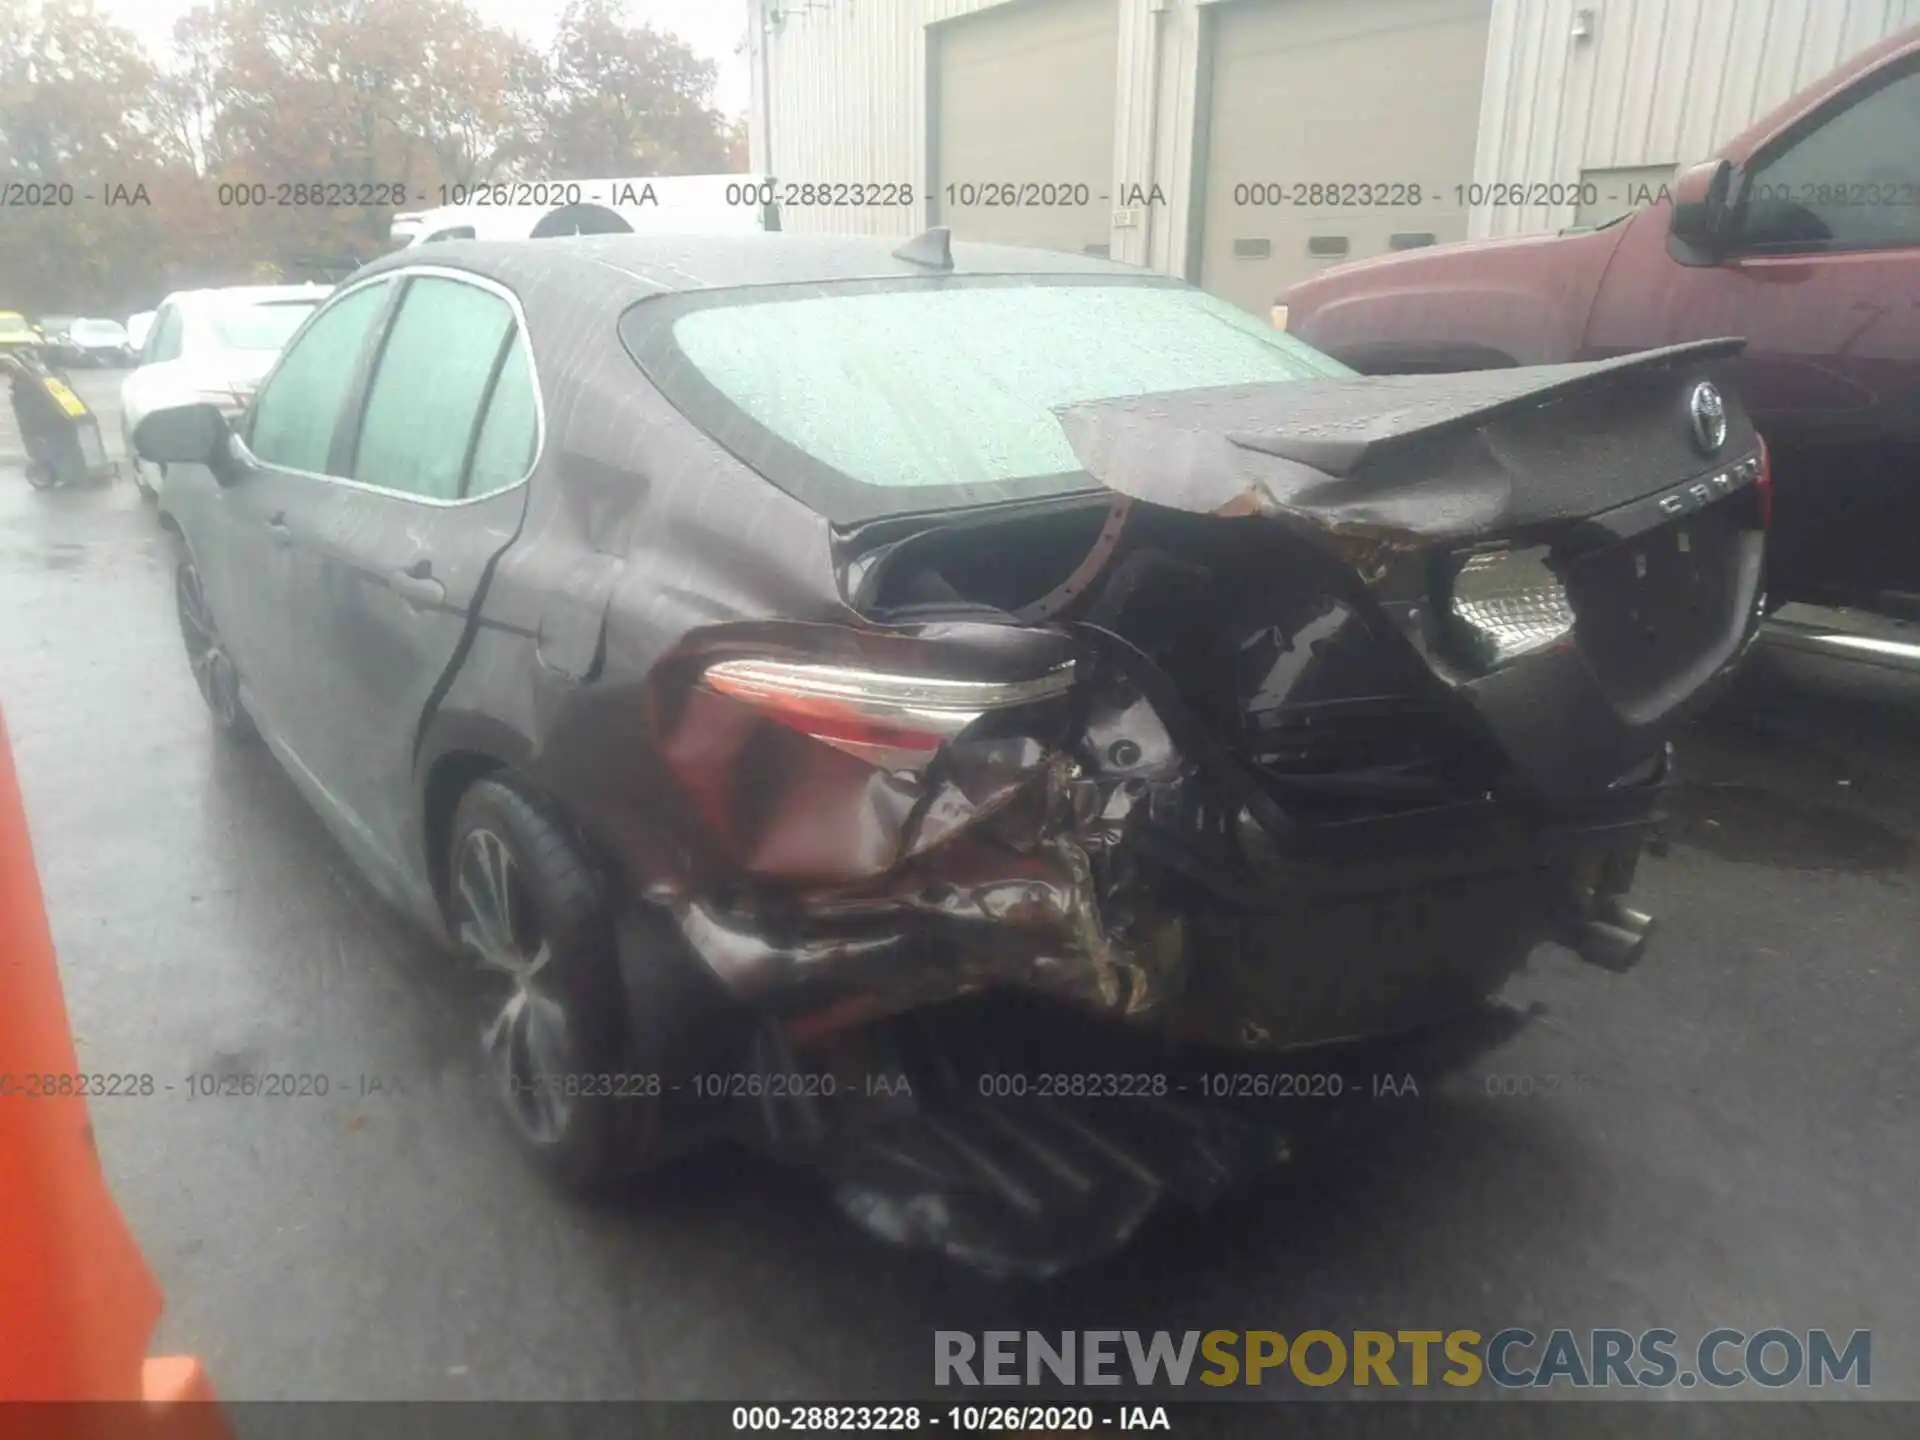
1707 413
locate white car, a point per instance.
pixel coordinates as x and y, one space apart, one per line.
212 347
100 342
137 327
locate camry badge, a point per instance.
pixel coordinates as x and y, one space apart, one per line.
1707 413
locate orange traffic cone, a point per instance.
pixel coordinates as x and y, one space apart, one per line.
77 1302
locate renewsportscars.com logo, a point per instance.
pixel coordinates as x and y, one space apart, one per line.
1513 1358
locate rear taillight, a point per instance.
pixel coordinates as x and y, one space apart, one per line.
882 716
1763 484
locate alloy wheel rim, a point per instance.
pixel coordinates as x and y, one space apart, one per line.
206 652
524 1031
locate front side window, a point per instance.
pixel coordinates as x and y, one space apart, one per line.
1852 183
429 387
913 396
293 419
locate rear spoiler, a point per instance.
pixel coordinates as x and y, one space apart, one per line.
1321 448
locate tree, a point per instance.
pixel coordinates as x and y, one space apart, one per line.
190 90
627 100
267 127
369 94
71 90
73 121
482 116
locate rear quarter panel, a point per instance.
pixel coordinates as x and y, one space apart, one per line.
640 530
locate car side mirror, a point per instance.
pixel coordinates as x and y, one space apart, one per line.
186 435
1701 208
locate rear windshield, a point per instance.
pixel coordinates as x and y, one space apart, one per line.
891 397
99 329
266 326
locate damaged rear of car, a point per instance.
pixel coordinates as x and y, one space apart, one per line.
1195 685
912 681
1335 699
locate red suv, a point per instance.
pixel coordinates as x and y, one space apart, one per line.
1803 235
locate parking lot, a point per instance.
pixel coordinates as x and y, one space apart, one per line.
1726 1136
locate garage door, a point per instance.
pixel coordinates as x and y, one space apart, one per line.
1323 117
1023 109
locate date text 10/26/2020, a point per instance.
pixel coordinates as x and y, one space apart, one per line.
272 1084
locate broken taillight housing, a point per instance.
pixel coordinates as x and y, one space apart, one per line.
1508 603
882 716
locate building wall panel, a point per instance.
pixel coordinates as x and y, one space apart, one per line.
844 102
1659 83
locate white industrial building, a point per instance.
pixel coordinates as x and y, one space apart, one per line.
1189 136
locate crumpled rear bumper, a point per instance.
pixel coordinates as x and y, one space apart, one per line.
1394 924
1020 1143
1110 892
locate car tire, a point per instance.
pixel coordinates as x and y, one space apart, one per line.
207 655
529 911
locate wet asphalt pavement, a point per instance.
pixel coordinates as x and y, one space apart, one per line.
1727 1136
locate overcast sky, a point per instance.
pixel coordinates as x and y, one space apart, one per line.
710 28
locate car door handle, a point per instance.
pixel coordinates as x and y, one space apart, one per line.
277 527
417 587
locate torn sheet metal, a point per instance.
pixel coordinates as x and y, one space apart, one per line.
808 871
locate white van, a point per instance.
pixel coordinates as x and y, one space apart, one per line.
699 204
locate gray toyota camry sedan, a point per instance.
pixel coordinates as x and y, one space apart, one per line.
970 721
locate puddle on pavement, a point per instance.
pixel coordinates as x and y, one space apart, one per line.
1754 826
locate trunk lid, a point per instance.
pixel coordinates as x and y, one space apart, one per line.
1317 566
1429 457
1625 488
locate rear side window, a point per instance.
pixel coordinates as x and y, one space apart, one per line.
504 452
429 387
293 419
